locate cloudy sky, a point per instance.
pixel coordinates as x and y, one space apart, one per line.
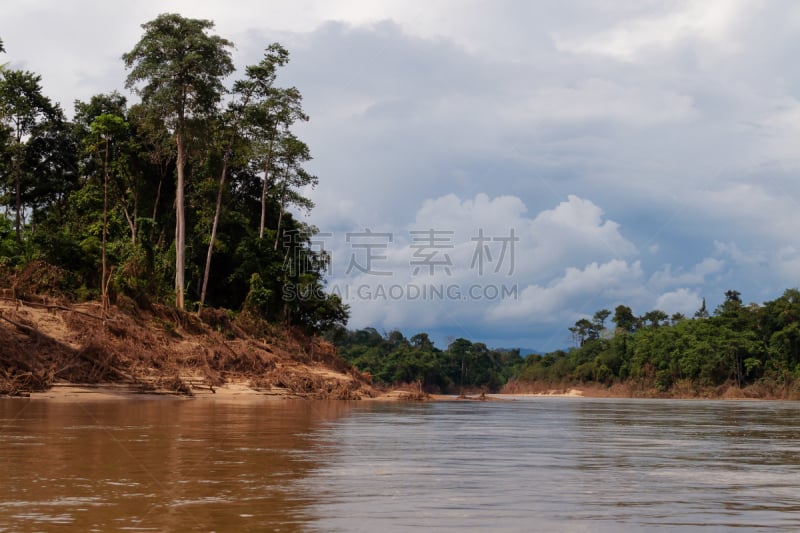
519 164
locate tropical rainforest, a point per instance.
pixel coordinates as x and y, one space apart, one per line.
752 347
184 198
189 198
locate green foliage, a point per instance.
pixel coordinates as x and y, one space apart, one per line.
100 188
23 110
178 67
259 297
741 345
7 243
464 365
624 318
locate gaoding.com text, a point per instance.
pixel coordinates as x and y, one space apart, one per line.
406 292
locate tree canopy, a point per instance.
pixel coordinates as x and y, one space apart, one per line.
755 346
463 366
92 196
177 69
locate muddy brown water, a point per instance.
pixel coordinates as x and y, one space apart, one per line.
540 464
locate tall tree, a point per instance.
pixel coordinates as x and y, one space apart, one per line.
624 319
702 312
290 177
251 105
104 129
22 107
178 68
155 147
51 167
230 132
654 317
269 116
600 317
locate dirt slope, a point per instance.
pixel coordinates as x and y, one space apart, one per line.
44 342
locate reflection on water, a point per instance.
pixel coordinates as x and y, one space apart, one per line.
560 464
565 464
156 465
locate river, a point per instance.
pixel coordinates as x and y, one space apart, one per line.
538 464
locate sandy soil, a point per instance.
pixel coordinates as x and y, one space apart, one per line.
238 392
59 351
559 393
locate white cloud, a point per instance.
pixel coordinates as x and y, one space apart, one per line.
788 265
696 276
576 229
764 211
711 21
575 290
573 244
683 300
595 99
738 256
779 132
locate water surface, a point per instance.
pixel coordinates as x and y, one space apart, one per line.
547 464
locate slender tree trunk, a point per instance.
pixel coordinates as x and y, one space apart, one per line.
162 172
281 208
135 234
104 288
132 218
267 169
132 225
18 188
214 226
132 221
180 224
18 207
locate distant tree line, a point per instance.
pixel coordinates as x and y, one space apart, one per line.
742 345
394 359
737 344
183 198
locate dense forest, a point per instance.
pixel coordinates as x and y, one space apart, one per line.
756 347
183 198
392 359
752 347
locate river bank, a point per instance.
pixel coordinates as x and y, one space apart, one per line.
683 390
74 352
239 391
84 350
242 392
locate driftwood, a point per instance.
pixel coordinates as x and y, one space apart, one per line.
105 366
51 307
29 330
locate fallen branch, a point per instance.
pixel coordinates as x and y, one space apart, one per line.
22 327
124 375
